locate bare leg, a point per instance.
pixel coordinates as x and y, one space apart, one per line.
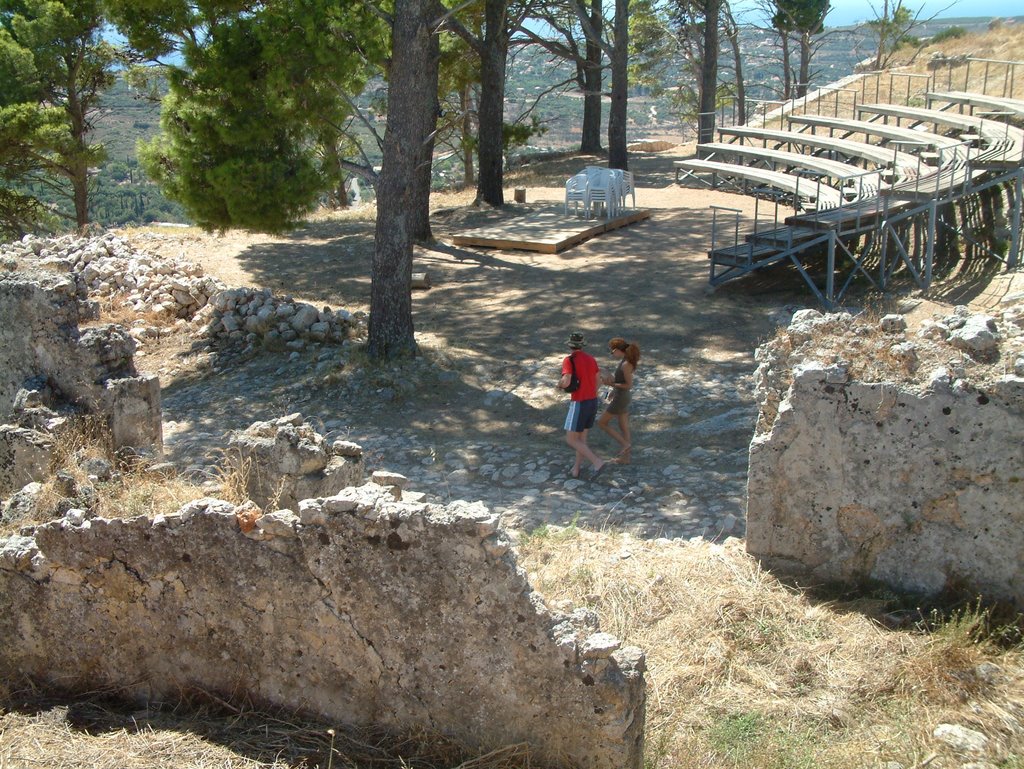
620 437
627 442
578 442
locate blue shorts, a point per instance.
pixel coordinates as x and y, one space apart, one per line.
581 415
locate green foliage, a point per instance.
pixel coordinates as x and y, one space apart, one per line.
54 61
518 134
257 94
976 624
891 29
949 33
650 44
802 16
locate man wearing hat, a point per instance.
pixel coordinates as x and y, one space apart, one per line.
584 404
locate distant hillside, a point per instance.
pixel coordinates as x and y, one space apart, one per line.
123 195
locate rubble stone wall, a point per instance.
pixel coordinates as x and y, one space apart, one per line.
39 317
359 608
915 481
42 349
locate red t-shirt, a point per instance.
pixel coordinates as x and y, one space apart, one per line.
586 370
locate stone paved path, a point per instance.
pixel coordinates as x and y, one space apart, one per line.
687 477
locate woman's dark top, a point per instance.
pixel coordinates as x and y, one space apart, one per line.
619 404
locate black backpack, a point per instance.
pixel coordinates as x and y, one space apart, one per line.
574 381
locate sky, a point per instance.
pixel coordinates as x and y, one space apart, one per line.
852 11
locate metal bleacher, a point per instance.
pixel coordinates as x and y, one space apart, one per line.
837 149
881 130
927 173
1015 107
808 192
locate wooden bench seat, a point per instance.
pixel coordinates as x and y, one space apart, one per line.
987 103
832 168
989 130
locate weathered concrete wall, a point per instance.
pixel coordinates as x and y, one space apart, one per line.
915 481
360 608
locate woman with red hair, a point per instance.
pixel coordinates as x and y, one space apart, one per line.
621 382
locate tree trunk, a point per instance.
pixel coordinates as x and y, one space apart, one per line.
412 117
492 104
337 197
787 72
733 36
76 159
709 73
466 140
420 213
590 143
805 63
618 156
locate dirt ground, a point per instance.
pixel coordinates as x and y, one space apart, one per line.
501 318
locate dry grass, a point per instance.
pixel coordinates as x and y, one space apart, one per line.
131 491
747 672
205 732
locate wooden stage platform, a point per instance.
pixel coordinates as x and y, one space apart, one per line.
548 231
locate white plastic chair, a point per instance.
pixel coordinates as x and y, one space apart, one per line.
627 187
604 188
577 190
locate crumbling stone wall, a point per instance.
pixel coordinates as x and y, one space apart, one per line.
894 457
46 362
359 608
285 461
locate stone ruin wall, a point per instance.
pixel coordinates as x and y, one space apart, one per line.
364 606
49 367
913 478
359 608
49 364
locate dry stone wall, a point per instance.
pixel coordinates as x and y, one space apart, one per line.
285 461
358 607
109 269
891 456
49 366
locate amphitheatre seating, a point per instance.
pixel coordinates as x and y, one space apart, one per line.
872 153
989 131
986 129
812 192
835 169
972 100
886 132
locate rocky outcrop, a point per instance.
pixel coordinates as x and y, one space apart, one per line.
285 461
886 456
357 607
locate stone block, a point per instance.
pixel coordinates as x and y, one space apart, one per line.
25 456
